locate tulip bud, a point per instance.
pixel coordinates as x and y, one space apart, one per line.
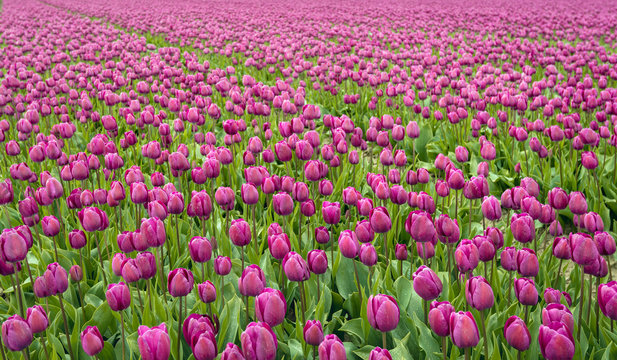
426 283
270 307
153 340
516 333
439 316
332 348
91 340
37 319
222 265
118 296
258 342
525 291
463 329
180 282
382 312
556 341
313 332
252 282
16 333
207 291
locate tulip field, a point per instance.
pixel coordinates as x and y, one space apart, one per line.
322 179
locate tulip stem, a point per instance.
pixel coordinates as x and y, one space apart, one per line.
559 270
160 251
597 309
8 225
179 327
149 294
470 206
444 347
385 248
43 343
314 352
303 301
510 287
484 334
178 235
141 303
332 249
66 327
242 247
355 267
318 287
123 337
425 308
580 308
255 232
98 247
246 303
610 271
17 287
81 301
590 299
384 340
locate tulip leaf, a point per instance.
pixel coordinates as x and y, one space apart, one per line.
610 352
354 328
403 292
295 349
400 351
426 340
229 322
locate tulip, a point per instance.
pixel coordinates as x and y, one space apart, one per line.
259 342
13 245
426 283
332 348
37 319
577 203
118 296
479 293
154 343
222 265
526 292
560 313
93 219
527 263
556 341
207 292
91 340
282 204
313 332
522 227
607 299
270 307
463 330
204 346
16 333
516 333
179 282
200 249
383 313
420 226
439 316
232 352
491 209
379 354
467 256
252 282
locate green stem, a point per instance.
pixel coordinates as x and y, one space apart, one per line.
179 327
66 327
484 334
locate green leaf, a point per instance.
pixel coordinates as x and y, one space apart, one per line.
427 341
